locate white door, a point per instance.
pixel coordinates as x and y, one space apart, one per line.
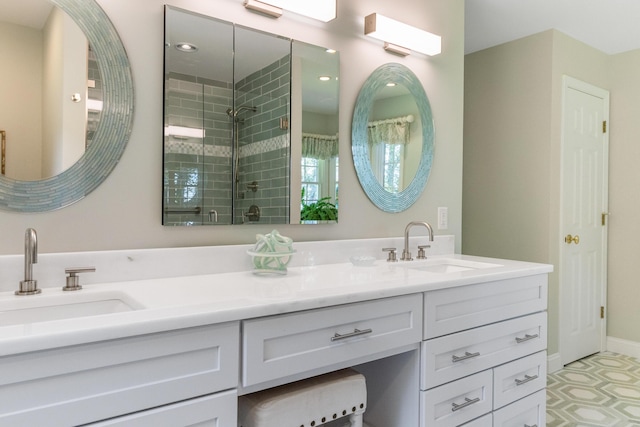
583 219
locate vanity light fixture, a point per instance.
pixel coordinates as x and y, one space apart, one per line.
181 131
322 10
398 50
401 38
262 7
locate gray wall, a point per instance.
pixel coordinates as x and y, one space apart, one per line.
512 156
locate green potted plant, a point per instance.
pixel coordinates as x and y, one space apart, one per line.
321 210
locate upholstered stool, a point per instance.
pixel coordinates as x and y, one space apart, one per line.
307 403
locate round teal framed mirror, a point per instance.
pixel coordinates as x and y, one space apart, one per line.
111 134
393 137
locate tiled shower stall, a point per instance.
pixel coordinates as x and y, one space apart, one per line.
199 171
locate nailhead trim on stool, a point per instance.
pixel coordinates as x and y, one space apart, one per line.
307 403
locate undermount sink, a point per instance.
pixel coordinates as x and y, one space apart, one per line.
449 265
46 308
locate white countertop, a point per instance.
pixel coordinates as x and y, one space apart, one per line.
180 302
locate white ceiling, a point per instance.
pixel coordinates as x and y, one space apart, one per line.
612 26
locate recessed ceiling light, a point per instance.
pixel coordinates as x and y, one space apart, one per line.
186 47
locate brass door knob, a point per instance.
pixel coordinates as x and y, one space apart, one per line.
572 239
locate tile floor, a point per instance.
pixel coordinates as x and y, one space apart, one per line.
600 390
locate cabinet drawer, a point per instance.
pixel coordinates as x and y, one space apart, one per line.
453 356
519 378
456 309
485 421
530 411
91 382
218 410
457 402
280 346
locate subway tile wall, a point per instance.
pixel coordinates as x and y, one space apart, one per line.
200 175
264 145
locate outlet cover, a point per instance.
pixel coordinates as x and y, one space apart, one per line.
443 218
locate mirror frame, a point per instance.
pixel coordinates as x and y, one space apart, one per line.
383 199
112 133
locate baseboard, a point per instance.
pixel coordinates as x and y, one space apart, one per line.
614 345
554 363
626 347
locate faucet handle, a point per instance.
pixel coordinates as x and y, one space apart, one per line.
421 254
392 254
73 281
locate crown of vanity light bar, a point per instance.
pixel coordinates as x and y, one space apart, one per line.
322 10
401 38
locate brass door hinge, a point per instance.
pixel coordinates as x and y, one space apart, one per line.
604 218
604 126
602 312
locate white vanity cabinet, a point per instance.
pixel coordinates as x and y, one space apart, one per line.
138 379
436 350
484 353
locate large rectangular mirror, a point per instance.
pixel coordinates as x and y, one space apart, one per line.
250 125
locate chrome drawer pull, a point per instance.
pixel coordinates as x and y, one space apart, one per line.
355 333
526 379
527 337
466 356
467 402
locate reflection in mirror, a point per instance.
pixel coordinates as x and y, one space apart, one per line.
107 137
316 91
392 138
198 132
262 86
50 72
236 101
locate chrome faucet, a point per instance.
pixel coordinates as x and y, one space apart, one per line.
28 286
406 255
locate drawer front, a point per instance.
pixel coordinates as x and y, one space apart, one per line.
280 346
519 378
454 356
91 382
530 411
456 309
457 402
485 421
218 410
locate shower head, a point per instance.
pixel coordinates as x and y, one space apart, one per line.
234 113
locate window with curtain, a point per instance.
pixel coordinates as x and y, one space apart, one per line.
387 139
319 167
